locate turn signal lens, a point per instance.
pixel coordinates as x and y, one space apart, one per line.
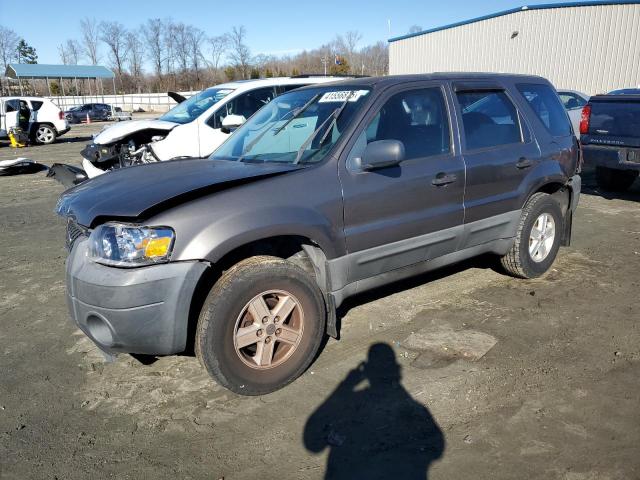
157 247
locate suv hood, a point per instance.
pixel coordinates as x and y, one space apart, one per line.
120 130
136 192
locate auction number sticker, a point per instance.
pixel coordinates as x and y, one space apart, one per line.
342 95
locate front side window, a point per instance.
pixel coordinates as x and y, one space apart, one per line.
298 127
12 106
244 105
417 118
489 118
547 107
195 106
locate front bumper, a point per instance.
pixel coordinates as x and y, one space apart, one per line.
137 310
619 158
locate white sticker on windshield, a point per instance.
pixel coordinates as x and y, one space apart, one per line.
342 95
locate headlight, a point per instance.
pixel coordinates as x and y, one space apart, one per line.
130 245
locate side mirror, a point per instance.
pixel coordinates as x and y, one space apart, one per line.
231 122
381 154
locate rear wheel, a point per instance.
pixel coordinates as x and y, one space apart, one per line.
45 134
615 180
261 325
537 238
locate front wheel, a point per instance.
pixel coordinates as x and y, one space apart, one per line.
261 325
45 134
537 239
615 180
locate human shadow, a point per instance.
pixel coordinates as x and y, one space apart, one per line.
372 426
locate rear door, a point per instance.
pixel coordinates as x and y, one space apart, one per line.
498 151
405 214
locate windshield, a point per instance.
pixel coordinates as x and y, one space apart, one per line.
297 127
193 107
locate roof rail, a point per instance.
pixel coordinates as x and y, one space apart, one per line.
309 75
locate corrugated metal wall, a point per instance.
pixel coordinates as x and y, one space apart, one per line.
593 49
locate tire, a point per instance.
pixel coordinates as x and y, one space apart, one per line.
45 134
226 310
615 180
519 260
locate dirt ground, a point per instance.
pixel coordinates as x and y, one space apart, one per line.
485 376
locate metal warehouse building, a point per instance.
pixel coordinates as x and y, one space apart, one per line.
593 47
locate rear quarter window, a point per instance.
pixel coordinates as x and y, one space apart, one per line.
35 105
545 103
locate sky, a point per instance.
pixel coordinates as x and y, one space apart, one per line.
273 27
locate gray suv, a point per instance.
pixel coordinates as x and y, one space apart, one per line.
325 192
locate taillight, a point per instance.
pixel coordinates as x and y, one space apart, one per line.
585 119
61 115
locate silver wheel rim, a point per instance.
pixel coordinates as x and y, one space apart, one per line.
44 135
269 329
541 238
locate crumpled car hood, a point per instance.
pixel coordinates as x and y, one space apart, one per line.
135 192
120 130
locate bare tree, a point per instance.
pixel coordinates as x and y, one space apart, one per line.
181 43
217 48
8 45
114 35
169 45
376 58
239 52
415 29
153 36
90 39
195 39
350 42
135 57
70 52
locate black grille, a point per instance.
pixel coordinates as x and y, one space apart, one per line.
74 232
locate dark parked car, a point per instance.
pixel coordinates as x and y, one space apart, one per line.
326 192
610 137
96 111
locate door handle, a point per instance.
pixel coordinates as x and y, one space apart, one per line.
523 163
443 179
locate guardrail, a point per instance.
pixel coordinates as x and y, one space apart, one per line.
149 102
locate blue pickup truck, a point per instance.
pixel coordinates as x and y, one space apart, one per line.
610 137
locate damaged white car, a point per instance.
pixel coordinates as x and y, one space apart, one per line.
193 128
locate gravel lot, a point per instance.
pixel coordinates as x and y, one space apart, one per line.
497 377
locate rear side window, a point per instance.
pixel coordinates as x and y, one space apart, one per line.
547 107
489 118
571 100
35 105
417 118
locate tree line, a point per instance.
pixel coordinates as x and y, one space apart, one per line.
162 54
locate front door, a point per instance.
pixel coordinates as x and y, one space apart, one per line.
401 215
10 111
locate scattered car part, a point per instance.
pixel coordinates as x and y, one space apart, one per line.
67 175
20 166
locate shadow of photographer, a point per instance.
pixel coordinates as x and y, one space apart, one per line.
373 427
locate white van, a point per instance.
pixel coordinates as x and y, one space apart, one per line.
38 116
193 128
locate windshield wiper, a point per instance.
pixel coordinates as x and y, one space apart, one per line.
333 117
251 144
299 112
